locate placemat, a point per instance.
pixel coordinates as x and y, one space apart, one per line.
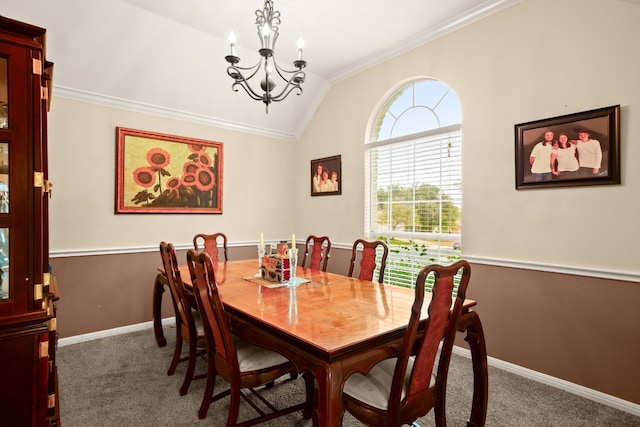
269 284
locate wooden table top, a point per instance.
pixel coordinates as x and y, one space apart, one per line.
331 314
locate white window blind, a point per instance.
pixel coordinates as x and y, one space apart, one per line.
414 193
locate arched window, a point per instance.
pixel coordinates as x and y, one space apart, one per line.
414 178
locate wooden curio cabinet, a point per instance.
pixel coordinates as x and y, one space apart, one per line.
28 291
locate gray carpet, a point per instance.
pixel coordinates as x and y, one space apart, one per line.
123 381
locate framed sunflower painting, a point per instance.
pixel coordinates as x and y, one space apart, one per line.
158 173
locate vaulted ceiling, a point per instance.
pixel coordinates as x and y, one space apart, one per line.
166 57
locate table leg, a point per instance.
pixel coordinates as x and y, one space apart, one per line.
158 290
329 410
469 322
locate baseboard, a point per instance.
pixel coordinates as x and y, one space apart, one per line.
572 388
578 390
169 321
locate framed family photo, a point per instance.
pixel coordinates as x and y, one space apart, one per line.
326 176
570 150
159 173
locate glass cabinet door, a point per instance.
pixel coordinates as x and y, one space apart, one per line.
20 103
4 263
4 95
4 181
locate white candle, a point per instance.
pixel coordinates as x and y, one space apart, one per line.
232 42
293 242
261 241
300 46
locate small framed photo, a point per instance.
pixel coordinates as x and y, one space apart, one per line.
570 150
158 173
326 176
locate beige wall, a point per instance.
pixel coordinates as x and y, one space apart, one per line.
534 60
521 64
82 145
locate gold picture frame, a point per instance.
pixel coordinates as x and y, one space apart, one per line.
160 173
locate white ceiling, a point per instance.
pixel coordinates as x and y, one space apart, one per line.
338 34
166 57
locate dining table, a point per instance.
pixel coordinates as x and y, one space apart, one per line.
328 324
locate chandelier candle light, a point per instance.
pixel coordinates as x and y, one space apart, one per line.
267 21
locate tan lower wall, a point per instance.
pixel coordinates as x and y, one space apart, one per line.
580 329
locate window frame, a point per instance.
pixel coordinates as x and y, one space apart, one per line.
406 260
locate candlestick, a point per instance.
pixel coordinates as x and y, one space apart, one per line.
260 255
293 265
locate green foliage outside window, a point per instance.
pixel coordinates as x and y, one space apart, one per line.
423 208
407 258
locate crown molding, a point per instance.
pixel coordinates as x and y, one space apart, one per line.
324 89
485 9
140 107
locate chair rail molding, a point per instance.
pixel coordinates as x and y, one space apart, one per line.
627 276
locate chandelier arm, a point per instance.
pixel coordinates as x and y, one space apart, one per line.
243 84
236 73
282 95
296 78
291 84
293 77
281 70
253 69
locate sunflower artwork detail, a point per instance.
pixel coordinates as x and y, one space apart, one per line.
169 176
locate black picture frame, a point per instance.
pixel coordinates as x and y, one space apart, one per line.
601 125
333 186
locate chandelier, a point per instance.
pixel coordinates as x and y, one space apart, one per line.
267 21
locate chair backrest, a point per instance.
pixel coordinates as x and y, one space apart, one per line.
320 247
172 271
218 336
441 328
209 243
368 260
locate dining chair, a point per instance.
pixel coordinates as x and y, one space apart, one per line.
189 326
209 243
400 389
242 364
320 247
368 259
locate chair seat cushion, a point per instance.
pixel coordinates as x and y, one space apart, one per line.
197 321
253 358
373 388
